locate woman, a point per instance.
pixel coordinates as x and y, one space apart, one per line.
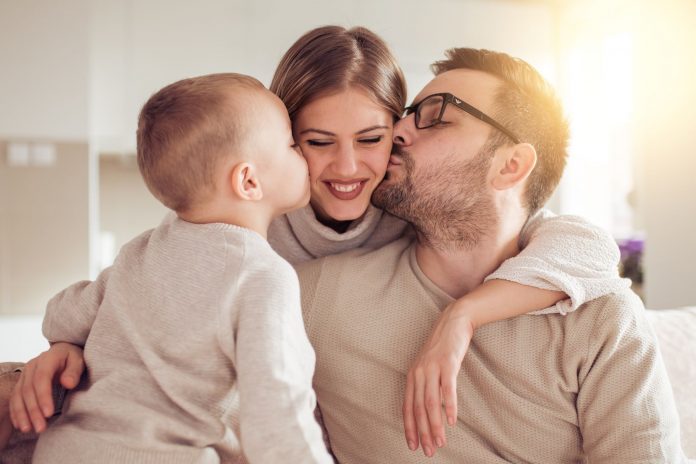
344 91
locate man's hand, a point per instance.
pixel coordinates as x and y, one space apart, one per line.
7 383
5 430
432 381
32 398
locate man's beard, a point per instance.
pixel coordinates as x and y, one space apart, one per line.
447 204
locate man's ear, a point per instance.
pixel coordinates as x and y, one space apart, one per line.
513 165
245 183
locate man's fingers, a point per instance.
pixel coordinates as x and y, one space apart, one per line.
5 431
433 406
18 409
19 418
410 429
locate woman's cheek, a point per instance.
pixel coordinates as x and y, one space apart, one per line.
313 163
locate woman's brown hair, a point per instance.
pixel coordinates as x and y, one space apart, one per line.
329 59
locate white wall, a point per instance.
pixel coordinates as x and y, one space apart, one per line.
44 63
666 145
139 46
631 77
44 211
44 233
127 207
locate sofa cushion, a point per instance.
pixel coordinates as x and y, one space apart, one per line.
676 334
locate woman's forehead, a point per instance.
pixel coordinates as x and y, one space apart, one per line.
348 111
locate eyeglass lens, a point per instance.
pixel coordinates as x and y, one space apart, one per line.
429 111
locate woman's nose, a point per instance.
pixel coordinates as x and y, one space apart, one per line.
346 163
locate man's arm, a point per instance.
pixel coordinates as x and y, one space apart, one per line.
625 405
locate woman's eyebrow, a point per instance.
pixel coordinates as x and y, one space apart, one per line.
371 128
319 131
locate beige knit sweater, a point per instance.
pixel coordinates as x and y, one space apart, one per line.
563 253
195 352
589 386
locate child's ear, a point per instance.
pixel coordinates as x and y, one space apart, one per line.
513 165
245 182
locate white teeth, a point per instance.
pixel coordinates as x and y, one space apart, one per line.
345 187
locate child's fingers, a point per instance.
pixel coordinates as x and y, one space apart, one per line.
43 385
74 368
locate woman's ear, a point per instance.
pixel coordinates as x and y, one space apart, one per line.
245 183
514 164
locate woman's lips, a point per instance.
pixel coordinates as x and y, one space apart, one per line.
345 190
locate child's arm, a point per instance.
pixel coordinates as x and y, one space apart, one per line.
69 317
562 256
275 364
71 313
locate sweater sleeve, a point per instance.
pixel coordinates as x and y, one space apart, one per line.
70 314
275 365
625 405
567 254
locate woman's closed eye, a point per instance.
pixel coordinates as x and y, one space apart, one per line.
371 140
319 143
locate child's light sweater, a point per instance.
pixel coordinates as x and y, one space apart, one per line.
196 352
562 253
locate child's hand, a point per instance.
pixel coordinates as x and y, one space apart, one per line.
432 380
32 398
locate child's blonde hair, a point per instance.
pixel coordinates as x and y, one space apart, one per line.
185 129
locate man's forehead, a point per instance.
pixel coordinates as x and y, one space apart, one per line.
475 87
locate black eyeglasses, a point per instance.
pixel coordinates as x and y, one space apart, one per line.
429 112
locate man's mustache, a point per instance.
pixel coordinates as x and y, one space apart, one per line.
398 151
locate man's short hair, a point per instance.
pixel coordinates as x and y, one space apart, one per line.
527 105
185 129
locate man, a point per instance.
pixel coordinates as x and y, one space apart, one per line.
480 151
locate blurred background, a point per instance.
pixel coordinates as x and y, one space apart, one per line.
74 73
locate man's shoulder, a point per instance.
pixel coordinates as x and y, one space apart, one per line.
613 313
624 302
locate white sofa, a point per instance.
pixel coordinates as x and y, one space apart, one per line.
676 332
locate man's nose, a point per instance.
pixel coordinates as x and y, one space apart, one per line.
403 130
